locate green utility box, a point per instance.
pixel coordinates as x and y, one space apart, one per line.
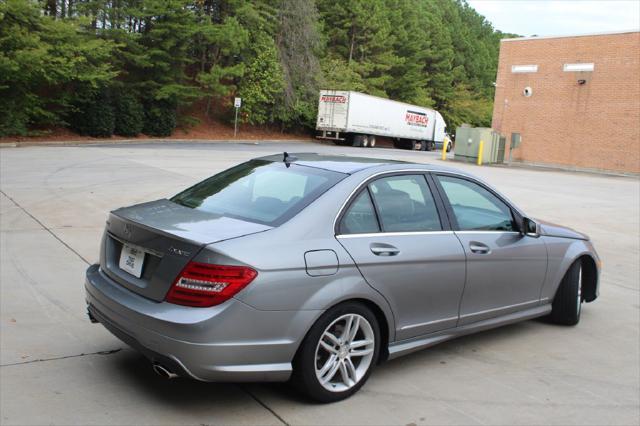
468 142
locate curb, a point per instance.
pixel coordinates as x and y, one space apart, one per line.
20 144
550 168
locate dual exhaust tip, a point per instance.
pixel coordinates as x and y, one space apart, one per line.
163 371
160 370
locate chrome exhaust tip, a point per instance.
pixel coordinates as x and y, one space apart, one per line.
164 372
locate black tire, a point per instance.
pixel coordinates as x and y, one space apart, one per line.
372 141
414 145
358 140
567 302
304 364
449 147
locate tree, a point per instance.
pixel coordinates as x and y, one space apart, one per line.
220 48
263 84
299 42
45 65
167 54
359 32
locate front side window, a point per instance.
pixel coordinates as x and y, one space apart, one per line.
475 208
405 204
259 191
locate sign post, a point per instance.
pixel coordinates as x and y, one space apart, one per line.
237 103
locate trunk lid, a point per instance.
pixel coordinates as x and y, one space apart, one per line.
169 235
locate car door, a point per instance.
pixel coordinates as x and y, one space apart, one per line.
505 269
392 228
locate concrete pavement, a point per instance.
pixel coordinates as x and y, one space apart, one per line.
57 368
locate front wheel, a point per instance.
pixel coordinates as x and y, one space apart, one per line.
567 302
338 354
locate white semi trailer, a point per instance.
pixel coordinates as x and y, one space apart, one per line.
352 118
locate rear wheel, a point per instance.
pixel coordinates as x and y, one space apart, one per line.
372 141
338 354
567 303
449 147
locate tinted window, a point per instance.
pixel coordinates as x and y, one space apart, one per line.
259 191
405 204
476 208
360 217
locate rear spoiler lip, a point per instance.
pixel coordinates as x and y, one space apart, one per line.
185 235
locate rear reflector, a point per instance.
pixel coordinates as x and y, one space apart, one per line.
203 284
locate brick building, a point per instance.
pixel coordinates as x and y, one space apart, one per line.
574 100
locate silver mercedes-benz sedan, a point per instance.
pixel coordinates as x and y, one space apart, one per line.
315 268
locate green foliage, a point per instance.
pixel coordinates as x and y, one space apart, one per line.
129 115
262 86
44 64
94 116
159 118
275 54
299 41
360 32
338 75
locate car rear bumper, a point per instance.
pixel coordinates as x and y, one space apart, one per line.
228 342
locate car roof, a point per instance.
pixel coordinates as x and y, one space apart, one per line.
347 164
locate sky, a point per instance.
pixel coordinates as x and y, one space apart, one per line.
559 17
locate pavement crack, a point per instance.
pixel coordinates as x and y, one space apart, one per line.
107 352
46 228
264 405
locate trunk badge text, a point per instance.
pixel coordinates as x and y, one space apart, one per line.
179 252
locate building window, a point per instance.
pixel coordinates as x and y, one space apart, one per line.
578 67
523 68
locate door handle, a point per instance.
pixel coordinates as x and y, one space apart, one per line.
384 250
479 248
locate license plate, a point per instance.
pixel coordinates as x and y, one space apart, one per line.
131 260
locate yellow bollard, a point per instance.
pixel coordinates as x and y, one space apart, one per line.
445 142
480 149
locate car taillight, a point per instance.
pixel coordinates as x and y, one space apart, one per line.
203 284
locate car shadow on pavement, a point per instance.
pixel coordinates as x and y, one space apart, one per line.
187 394
183 393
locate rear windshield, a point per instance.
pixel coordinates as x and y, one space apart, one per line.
259 191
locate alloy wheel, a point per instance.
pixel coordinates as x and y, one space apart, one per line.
344 352
579 298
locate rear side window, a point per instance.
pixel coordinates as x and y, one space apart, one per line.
259 191
476 208
405 204
360 217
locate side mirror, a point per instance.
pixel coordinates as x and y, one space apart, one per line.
530 228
